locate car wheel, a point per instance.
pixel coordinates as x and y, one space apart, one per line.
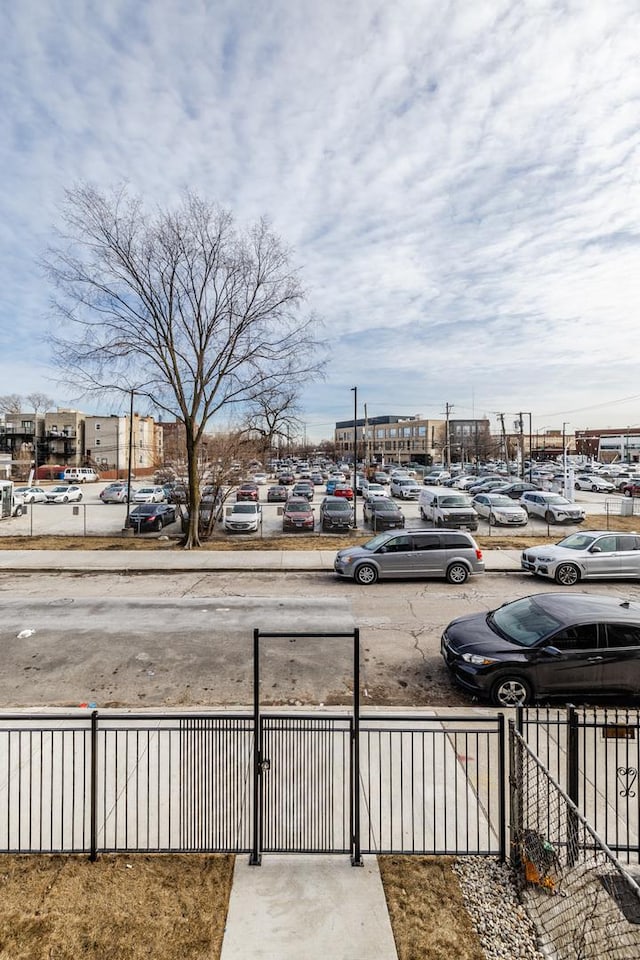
549 516
423 514
65 499
594 488
365 574
158 525
79 497
511 692
492 520
18 512
567 574
457 573
627 493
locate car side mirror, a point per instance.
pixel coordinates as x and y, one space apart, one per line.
552 651
595 550
382 550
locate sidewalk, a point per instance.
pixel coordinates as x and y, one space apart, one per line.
200 561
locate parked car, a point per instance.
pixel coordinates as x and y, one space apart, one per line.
154 494
547 645
452 554
148 517
331 484
632 489
370 489
64 494
447 508
175 492
80 475
286 478
343 490
260 479
595 484
405 487
382 477
248 491
551 507
336 513
303 488
587 555
30 494
243 517
298 515
499 508
515 489
115 493
277 494
382 513
317 479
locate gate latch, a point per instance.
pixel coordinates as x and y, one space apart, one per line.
265 765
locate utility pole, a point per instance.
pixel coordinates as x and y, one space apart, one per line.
503 435
521 443
366 443
448 407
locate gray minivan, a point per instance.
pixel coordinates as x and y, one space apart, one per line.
452 554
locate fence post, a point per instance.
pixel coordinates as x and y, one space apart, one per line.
93 855
572 782
503 786
515 791
255 856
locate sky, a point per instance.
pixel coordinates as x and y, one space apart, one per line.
458 181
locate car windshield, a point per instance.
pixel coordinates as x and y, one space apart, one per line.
381 505
500 501
339 506
297 508
244 508
376 542
59 489
555 498
577 541
523 622
453 501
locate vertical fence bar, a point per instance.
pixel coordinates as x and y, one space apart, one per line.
356 855
254 859
573 772
515 790
503 786
93 855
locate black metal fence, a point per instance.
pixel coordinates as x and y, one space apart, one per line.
184 782
585 905
594 754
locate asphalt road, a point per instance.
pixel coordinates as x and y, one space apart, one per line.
146 640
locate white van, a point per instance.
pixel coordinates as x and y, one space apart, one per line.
446 507
80 475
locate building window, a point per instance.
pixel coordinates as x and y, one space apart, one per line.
97 426
97 443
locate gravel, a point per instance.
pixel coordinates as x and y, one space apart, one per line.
491 898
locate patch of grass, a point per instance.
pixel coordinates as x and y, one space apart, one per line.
58 907
426 908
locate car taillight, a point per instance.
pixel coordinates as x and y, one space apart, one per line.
478 554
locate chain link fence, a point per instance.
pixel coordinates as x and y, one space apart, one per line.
584 904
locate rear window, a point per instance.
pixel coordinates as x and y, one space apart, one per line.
456 541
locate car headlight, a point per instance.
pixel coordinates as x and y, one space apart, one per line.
478 660
346 559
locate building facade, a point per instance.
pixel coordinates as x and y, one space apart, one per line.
394 439
107 443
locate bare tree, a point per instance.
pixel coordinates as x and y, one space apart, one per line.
11 403
271 415
178 306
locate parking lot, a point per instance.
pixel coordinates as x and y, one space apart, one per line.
91 517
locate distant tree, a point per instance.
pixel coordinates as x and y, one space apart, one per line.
11 403
178 306
272 416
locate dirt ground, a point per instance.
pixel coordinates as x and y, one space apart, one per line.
175 907
221 541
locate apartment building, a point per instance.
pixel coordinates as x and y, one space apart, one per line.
107 442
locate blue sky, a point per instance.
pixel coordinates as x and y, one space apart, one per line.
459 181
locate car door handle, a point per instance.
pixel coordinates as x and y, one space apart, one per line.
593 659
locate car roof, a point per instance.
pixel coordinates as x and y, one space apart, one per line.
584 608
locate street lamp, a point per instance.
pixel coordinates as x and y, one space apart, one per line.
132 391
355 456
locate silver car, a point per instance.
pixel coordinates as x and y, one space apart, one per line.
452 554
499 508
588 555
551 507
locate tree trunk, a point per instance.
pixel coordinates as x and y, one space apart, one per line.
192 538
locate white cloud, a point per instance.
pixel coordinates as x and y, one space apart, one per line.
459 180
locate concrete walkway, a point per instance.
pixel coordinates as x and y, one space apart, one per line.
311 907
200 561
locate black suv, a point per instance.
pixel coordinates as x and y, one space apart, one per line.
547 645
336 513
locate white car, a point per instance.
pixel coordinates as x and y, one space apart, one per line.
260 479
64 494
149 495
244 516
499 508
370 488
594 483
30 494
405 488
551 507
